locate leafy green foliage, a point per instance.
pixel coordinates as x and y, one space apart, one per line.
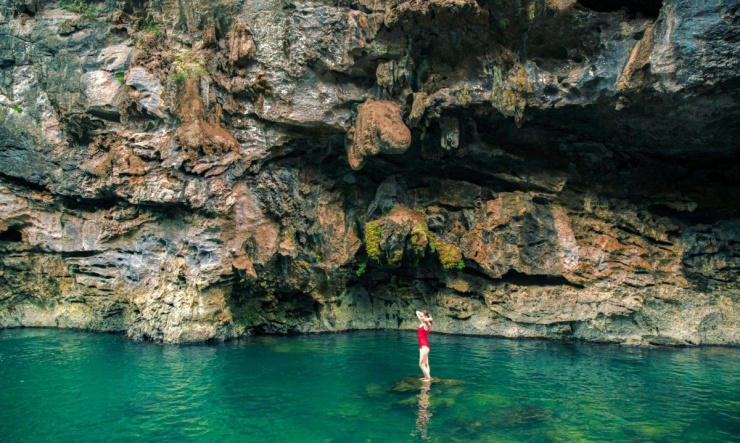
179 77
81 7
187 68
361 270
150 25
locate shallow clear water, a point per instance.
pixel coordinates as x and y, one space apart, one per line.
75 386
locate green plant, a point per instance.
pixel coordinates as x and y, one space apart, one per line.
120 77
361 270
373 233
186 69
79 7
433 242
250 312
421 210
179 77
17 109
150 25
460 265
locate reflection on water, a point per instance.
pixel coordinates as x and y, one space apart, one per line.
75 386
424 415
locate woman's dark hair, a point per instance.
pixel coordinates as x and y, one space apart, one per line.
426 314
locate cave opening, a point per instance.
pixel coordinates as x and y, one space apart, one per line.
11 235
648 8
134 6
522 279
88 204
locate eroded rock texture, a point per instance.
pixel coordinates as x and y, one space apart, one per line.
192 171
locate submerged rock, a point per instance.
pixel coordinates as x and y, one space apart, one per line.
411 383
523 416
375 390
430 396
414 383
467 427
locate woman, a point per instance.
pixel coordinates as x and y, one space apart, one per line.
422 333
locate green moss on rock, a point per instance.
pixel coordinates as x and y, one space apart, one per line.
420 237
450 256
373 232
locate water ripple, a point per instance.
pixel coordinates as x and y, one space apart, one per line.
75 386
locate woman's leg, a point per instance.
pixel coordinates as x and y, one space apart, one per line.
426 365
424 362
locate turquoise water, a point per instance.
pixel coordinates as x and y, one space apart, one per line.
75 386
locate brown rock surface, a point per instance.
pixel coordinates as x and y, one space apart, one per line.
205 144
241 46
378 129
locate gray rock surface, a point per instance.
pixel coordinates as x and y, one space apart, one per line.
115 58
149 87
103 93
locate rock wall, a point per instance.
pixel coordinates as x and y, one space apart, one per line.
190 171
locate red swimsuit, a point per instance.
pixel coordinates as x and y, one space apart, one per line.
422 333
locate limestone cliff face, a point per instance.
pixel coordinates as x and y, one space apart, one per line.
198 170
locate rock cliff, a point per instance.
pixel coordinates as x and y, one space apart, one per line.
200 170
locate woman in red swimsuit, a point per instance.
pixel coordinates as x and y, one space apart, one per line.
422 334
